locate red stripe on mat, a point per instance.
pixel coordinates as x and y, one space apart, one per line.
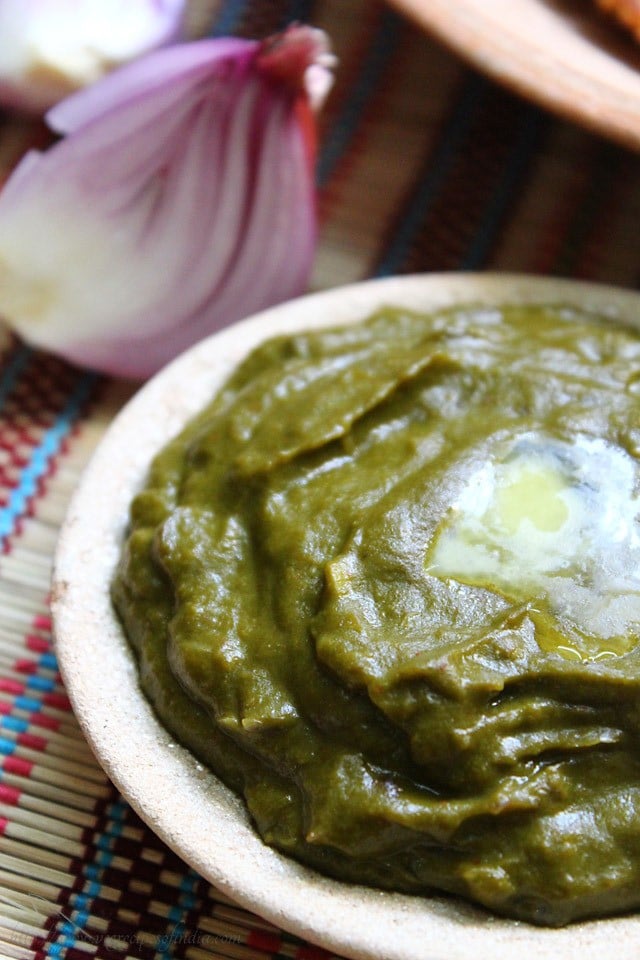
9 795
21 768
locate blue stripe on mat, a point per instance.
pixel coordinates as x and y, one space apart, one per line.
42 455
506 188
29 704
229 18
473 92
44 684
12 371
178 915
70 929
300 11
371 72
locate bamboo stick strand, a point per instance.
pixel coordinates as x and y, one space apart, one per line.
59 765
14 865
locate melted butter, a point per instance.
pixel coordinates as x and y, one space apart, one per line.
554 522
531 493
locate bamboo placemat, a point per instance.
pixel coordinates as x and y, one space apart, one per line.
423 165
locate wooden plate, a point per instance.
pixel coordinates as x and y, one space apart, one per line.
182 801
564 54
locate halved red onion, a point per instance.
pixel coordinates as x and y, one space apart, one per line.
180 200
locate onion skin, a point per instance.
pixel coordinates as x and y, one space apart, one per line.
49 48
180 199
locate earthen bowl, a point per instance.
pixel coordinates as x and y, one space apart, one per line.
190 809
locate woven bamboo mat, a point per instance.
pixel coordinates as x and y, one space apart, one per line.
423 165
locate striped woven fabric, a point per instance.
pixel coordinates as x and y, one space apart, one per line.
423 166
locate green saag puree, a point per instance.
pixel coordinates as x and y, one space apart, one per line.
362 587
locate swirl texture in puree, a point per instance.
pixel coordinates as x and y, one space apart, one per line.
387 586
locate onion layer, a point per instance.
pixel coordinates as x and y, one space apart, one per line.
48 48
180 200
